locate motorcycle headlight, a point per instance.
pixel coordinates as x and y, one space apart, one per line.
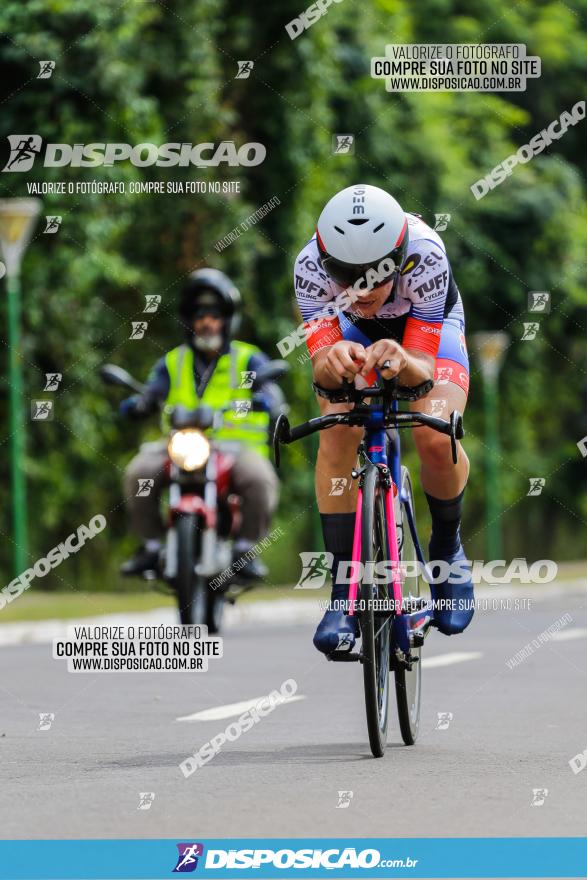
188 449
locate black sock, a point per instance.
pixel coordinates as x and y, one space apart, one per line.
338 530
446 521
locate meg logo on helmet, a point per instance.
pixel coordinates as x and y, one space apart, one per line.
359 228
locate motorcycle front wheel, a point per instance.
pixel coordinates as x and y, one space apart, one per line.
191 588
215 611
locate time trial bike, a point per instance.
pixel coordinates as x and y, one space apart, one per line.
385 588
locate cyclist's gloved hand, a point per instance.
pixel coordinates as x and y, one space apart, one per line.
135 407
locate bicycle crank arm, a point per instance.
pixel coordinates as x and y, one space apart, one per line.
406 661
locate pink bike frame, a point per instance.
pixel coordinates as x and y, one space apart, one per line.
392 541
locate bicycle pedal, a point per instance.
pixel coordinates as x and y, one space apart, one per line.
345 657
414 603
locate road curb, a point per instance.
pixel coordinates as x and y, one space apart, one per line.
273 612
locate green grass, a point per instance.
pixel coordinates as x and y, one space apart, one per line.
65 605
62 605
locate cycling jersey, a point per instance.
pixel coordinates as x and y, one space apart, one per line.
423 295
423 312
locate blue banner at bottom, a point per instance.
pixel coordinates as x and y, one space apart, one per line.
293 857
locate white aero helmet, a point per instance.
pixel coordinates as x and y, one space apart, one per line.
360 228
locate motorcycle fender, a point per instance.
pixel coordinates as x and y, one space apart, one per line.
193 504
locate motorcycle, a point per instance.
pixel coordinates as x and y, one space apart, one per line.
203 515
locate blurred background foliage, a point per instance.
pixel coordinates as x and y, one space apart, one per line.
152 72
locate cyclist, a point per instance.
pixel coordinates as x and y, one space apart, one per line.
374 285
210 368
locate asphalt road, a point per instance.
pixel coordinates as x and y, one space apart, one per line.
116 735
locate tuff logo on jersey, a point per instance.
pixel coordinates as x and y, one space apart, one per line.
309 286
436 283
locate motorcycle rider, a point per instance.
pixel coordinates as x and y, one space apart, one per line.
210 368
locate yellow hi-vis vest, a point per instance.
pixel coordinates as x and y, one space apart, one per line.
241 425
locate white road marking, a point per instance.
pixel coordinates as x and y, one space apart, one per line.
218 713
449 659
567 635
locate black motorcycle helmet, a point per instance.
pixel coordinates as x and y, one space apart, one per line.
209 285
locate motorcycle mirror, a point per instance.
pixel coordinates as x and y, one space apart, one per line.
113 375
270 372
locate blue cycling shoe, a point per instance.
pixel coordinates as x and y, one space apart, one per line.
336 631
456 600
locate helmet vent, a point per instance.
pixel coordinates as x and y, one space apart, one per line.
358 222
338 229
377 228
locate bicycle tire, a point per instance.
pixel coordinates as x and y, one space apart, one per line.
408 683
375 630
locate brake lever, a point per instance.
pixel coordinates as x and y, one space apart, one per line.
457 432
390 382
281 434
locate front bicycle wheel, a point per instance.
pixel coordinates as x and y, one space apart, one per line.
408 682
375 629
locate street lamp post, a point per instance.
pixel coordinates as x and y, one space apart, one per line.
490 349
17 219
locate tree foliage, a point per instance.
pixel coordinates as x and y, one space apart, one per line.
155 72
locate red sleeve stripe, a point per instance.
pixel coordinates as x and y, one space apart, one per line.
422 335
322 334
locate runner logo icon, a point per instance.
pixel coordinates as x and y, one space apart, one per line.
187 860
315 568
24 148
